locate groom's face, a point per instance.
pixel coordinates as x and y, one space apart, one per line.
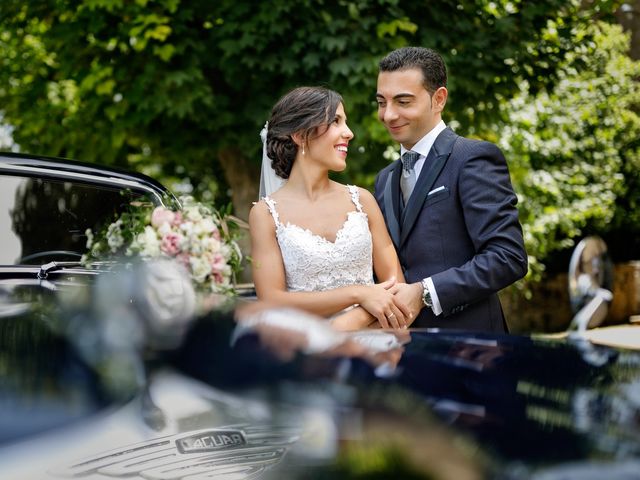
405 106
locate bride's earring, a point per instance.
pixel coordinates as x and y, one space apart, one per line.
303 148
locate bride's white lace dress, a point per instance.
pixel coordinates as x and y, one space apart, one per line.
313 263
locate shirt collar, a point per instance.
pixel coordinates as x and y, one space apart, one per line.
425 143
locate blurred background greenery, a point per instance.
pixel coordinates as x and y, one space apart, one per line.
179 89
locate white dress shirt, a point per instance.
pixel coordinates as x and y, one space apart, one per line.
423 147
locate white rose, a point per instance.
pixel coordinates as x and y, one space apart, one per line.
149 242
205 227
187 228
166 299
164 229
195 246
114 236
225 250
200 268
210 244
193 213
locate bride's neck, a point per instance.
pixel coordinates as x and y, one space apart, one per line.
309 183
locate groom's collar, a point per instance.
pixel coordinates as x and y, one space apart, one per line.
425 143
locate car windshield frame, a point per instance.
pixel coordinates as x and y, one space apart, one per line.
52 213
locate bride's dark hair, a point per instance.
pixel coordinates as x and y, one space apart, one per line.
303 110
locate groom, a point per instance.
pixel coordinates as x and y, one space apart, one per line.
448 203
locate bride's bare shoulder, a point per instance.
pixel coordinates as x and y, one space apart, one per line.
368 201
259 212
366 195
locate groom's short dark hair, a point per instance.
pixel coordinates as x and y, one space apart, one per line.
434 71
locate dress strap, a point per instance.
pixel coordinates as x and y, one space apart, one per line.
271 204
355 196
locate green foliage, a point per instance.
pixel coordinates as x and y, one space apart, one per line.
180 88
175 82
574 151
373 462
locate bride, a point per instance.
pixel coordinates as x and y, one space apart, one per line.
316 243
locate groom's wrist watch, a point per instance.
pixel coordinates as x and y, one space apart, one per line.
426 294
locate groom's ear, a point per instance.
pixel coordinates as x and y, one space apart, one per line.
439 99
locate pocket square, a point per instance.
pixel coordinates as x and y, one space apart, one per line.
436 190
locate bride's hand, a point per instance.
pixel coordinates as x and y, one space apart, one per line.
379 301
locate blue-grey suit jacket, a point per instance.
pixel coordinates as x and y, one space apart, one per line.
460 227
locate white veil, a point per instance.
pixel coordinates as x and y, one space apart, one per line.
269 181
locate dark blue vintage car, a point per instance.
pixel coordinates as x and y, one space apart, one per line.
94 386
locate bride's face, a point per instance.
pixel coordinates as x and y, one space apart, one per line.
331 145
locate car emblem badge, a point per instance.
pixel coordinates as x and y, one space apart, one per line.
210 441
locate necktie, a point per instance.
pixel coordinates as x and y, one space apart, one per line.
408 178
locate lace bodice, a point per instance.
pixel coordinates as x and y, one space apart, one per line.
313 263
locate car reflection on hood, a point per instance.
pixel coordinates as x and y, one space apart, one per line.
255 391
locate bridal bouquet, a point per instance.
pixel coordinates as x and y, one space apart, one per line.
199 237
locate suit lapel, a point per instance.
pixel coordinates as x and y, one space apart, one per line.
433 165
392 203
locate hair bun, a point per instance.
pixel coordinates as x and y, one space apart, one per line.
282 151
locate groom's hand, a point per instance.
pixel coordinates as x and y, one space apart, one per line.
410 294
380 301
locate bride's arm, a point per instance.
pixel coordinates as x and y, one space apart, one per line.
355 319
269 278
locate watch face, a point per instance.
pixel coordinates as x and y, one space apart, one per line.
426 298
426 294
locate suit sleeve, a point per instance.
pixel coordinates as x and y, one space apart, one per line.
488 205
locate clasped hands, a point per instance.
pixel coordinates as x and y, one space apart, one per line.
393 304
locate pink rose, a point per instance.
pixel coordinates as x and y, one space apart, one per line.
218 263
160 216
215 233
217 277
177 219
170 244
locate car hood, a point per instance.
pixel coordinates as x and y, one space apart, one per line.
260 399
